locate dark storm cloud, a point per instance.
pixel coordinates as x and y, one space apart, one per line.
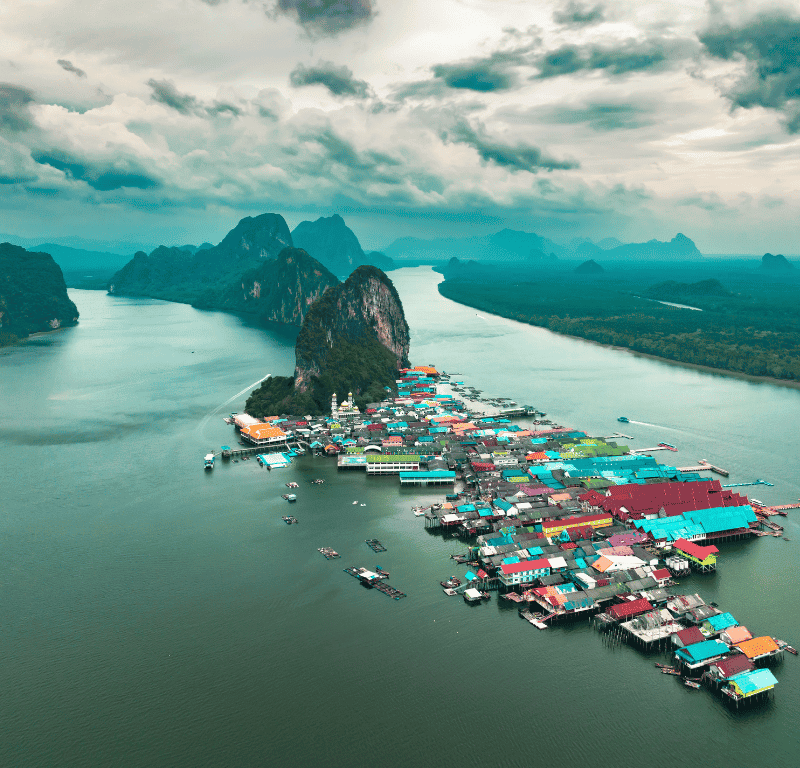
165 92
629 56
121 173
338 80
327 17
577 15
598 116
68 66
493 73
514 157
770 46
15 116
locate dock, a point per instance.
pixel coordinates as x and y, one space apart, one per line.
375 545
704 466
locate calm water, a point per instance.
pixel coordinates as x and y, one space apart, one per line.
155 615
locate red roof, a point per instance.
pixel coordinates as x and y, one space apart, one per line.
701 553
734 664
525 565
690 635
661 573
674 498
630 609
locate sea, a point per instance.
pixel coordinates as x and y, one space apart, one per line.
153 614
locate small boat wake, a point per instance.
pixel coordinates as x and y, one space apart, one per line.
204 422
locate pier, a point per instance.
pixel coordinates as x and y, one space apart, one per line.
704 466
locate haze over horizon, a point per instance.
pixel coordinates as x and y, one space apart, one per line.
168 122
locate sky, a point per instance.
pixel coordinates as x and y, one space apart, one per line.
168 121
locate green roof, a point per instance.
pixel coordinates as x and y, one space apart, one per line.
391 458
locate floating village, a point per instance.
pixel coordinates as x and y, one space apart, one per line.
567 526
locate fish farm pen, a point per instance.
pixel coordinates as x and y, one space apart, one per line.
567 526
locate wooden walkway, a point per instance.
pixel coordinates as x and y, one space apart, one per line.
375 545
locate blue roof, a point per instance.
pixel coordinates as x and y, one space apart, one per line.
722 621
708 649
754 680
470 576
429 475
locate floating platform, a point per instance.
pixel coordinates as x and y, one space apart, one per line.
375 545
375 581
330 554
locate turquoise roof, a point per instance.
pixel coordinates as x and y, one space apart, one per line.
755 680
708 649
722 621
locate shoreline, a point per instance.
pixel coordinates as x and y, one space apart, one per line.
787 383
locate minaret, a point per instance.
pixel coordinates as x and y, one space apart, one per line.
350 401
334 406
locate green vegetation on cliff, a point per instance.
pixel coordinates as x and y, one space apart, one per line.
364 367
33 295
752 326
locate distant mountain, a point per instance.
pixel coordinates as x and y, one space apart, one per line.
777 263
608 243
331 242
590 267
74 259
514 246
507 245
33 295
195 248
680 248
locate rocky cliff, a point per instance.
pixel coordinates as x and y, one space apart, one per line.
353 339
281 290
33 295
364 307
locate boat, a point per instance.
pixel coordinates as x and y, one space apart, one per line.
691 683
623 419
354 503
290 497
289 519
451 583
209 462
317 482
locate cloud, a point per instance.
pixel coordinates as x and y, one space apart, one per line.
68 66
15 115
122 172
338 80
368 165
599 116
165 92
493 73
577 15
514 157
628 56
222 108
770 47
327 17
